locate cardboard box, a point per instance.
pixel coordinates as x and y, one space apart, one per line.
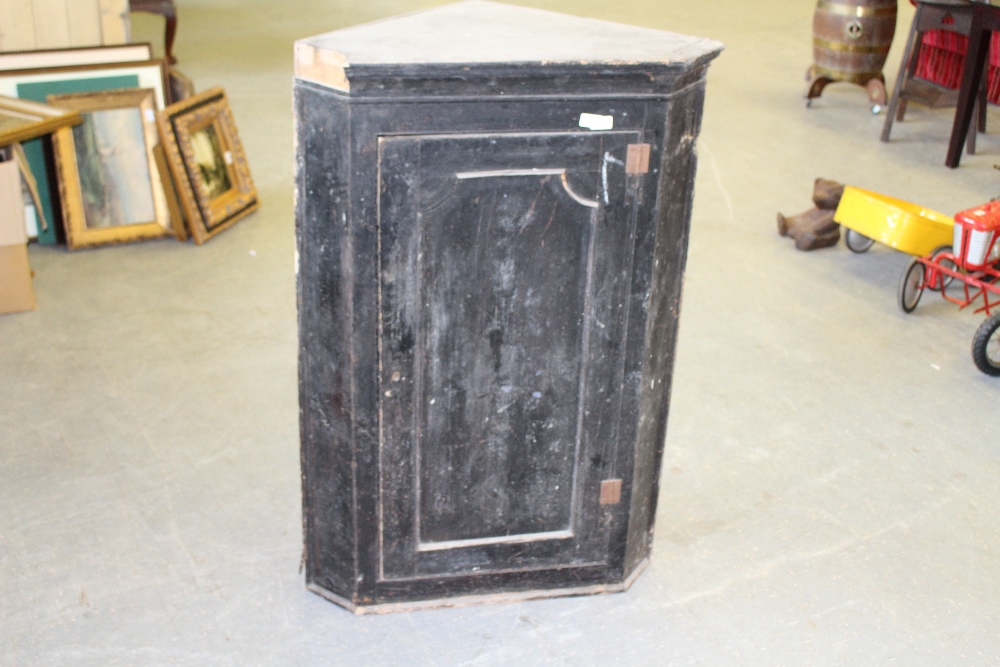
16 294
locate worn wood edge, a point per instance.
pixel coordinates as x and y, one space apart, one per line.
327 68
321 63
693 77
517 15
474 600
311 65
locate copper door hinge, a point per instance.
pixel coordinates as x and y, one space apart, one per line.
637 159
611 491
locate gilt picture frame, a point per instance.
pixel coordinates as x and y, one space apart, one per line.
209 167
109 185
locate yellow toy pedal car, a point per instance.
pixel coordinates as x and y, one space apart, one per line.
869 216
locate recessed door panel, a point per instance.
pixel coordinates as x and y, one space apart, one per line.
502 259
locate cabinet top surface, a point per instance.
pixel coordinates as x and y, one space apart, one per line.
479 32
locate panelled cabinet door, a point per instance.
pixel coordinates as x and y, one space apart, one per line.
504 266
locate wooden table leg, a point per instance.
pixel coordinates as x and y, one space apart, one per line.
905 72
168 11
972 76
168 38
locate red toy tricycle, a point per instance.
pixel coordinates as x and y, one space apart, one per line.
973 260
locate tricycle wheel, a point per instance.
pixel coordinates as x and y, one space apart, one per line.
947 263
986 346
857 242
911 286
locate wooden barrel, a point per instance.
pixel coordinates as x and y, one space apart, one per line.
851 38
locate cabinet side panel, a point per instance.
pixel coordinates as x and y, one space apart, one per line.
676 193
325 312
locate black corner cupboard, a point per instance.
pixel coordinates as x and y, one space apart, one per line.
492 216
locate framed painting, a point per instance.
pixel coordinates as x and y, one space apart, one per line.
38 84
109 184
209 167
21 120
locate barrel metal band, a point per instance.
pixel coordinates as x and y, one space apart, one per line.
849 48
860 11
860 78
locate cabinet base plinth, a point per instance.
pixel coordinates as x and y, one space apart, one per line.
471 600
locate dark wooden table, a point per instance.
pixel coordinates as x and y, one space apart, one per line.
985 19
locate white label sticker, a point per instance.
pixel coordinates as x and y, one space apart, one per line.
150 116
228 157
30 221
595 121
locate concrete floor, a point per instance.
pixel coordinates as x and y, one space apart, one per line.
829 493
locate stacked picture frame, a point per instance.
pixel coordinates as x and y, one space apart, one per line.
109 184
137 165
205 156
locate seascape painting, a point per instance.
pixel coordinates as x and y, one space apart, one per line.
212 167
113 163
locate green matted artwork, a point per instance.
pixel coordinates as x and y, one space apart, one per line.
34 149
